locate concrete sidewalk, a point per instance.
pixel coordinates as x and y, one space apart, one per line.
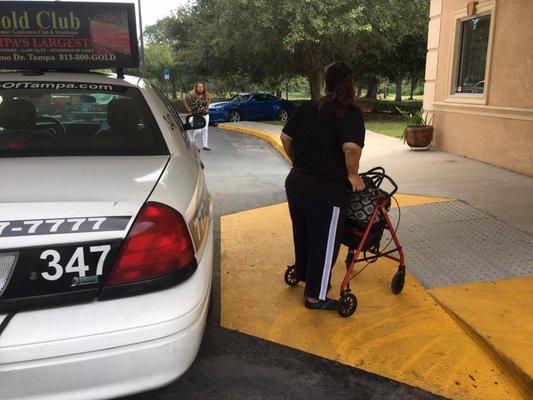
504 194
473 255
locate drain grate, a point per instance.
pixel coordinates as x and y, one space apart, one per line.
452 243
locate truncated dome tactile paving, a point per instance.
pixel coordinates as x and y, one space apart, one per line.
453 243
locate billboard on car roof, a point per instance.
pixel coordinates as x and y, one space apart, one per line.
67 35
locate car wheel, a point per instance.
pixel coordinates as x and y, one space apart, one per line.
283 115
234 116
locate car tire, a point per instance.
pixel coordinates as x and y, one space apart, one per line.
283 114
234 116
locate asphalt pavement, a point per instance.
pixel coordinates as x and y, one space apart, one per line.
244 173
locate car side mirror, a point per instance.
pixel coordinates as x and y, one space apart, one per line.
194 122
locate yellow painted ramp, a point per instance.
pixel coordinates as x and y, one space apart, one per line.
500 314
406 200
408 337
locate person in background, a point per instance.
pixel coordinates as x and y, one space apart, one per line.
324 140
197 103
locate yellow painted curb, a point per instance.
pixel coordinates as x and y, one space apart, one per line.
499 316
408 338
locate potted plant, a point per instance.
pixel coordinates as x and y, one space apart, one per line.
419 131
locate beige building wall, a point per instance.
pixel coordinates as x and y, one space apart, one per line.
496 127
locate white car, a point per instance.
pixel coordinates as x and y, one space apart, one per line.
106 237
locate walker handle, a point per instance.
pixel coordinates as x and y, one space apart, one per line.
376 175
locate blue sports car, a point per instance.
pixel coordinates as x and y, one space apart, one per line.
250 106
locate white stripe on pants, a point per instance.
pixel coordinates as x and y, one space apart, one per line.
329 253
200 136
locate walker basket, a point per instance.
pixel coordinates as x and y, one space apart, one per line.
361 206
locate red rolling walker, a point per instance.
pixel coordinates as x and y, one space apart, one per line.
366 221
367 218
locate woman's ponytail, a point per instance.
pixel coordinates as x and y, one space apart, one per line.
340 89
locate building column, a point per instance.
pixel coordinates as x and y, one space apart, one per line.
435 13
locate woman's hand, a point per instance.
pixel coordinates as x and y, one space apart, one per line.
356 182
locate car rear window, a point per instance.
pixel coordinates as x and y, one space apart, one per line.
70 119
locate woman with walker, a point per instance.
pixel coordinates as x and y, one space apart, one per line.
324 140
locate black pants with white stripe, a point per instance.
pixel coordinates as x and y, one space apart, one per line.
317 232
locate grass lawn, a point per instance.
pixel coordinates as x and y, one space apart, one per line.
389 128
297 96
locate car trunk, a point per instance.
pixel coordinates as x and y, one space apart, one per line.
62 221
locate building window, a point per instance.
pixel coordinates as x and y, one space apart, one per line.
473 55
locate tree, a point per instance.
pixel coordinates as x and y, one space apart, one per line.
319 32
273 41
379 54
158 32
415 65
159 56
267 42
402 28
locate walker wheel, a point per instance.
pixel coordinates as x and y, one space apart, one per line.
347 304
398 280
290 276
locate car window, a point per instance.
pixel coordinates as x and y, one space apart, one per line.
240 97
269 97
70 119
173 113
260 97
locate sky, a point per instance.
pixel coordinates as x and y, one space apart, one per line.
152 10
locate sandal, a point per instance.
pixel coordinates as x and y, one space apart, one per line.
328 304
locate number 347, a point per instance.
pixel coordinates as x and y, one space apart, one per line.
76 263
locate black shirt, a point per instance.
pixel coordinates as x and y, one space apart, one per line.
319 169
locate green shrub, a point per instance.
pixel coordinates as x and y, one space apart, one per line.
391 107
419 90
382 106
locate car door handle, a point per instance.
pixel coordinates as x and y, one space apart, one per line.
202 165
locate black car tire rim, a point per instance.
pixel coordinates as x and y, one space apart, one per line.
283 115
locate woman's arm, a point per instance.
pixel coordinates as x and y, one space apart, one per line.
286 141
352 155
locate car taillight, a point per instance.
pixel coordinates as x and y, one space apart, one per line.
13 144
158 244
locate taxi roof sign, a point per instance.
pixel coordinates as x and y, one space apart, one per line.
68 35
